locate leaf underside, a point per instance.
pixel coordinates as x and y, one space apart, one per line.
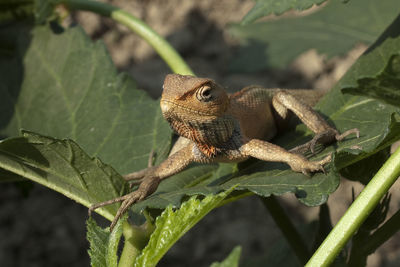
62 166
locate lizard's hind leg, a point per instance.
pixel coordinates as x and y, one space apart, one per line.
283 101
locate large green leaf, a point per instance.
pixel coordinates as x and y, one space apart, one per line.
267 7
333 30
172 225
381 80
65 86
64 167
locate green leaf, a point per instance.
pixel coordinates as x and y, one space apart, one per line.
64 167
267 7
172 225
64 85
333 30
383 86
103 244
381 79
232 260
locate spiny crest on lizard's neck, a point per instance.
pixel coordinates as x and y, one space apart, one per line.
196 108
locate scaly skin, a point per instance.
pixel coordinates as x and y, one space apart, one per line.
225 127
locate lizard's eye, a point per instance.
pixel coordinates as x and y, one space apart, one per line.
204 93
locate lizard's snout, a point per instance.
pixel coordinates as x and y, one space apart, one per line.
165 106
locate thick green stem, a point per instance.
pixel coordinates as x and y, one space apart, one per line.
357 212
288 230
163 48
135 240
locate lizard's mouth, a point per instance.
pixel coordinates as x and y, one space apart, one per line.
167 106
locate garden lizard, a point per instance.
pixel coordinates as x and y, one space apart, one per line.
222 127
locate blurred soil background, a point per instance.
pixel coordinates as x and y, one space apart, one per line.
39 227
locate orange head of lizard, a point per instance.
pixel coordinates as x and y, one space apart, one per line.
196 108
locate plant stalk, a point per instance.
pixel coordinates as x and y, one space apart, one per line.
160 45
357 212
135 240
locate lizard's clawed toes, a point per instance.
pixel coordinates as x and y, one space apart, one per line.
306 167
340 137
146 188
128 201
105 203
325 137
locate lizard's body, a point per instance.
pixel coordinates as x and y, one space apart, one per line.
252 108
223 127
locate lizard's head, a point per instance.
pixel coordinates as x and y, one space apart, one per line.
196 108
189 96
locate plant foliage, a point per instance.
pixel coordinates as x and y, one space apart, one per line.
332 30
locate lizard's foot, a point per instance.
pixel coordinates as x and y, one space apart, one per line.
146 188
325 137
127 201
301 164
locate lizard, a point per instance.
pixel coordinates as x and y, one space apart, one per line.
215 126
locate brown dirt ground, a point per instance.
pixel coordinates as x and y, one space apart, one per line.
47 229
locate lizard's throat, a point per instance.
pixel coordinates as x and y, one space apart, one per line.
213 132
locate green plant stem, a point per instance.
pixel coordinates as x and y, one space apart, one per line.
160 45
135 240
357 212
288 230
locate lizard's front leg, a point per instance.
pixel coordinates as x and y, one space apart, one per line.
149 182
269 152
136 177
283 101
